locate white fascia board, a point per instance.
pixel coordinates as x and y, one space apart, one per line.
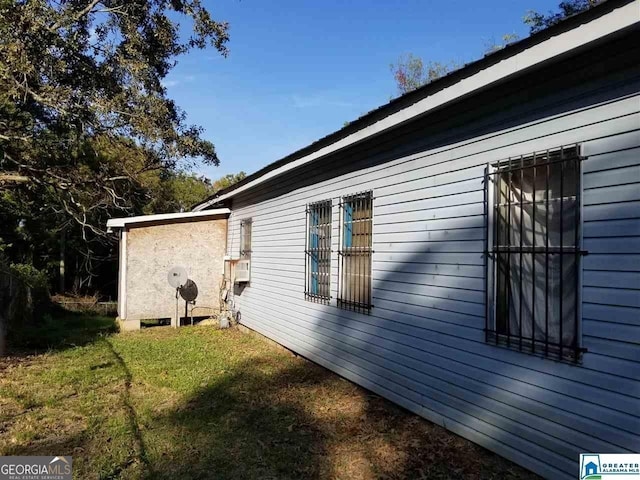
122 276
122 222
616 20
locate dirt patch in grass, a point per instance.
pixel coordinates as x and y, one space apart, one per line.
204 403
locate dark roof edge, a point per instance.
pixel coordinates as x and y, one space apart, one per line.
431 88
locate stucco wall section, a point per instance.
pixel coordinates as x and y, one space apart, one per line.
197 245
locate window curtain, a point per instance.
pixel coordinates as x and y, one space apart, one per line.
531 286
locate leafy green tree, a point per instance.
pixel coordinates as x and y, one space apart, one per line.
506 39
180 191
411 72
227 181
37 225
23 291
84 71
87 131
177 192
539 21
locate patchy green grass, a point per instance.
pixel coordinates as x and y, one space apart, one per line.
203 403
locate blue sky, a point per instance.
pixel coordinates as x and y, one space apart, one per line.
297 70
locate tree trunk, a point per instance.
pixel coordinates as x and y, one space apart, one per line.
5 295
76 278
3 332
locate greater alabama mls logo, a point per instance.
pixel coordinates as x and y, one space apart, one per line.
606 466
35 468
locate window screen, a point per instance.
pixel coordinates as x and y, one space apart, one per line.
355 252
318 252
535 253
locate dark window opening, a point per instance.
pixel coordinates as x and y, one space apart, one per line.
535 253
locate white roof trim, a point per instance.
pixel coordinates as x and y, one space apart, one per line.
537 54
122 222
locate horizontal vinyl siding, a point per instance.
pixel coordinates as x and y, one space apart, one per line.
611 273
423 344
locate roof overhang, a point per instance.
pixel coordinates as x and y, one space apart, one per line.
538 53
164 218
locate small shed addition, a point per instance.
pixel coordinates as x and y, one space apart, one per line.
150 245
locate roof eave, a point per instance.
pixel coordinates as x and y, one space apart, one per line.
115 223
518 58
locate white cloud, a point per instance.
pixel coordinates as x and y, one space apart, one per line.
172 82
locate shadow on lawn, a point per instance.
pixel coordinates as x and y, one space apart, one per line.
139 448
302 421
247 425
60 330
269 417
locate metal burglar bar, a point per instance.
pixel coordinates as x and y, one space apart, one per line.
355 252
318 252
245 238
535 253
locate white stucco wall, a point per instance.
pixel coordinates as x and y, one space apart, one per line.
152 249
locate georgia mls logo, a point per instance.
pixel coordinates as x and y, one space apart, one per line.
36 468
607 466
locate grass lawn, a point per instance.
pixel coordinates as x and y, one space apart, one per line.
203 403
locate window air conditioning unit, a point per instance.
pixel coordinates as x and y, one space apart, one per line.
243 271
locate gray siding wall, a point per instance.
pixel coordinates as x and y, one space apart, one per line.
423 346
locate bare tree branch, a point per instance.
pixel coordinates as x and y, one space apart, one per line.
13 178
77 16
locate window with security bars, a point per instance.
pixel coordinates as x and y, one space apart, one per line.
534 258
318 252
355 252
245 238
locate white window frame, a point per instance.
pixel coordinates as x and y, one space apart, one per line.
242 250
